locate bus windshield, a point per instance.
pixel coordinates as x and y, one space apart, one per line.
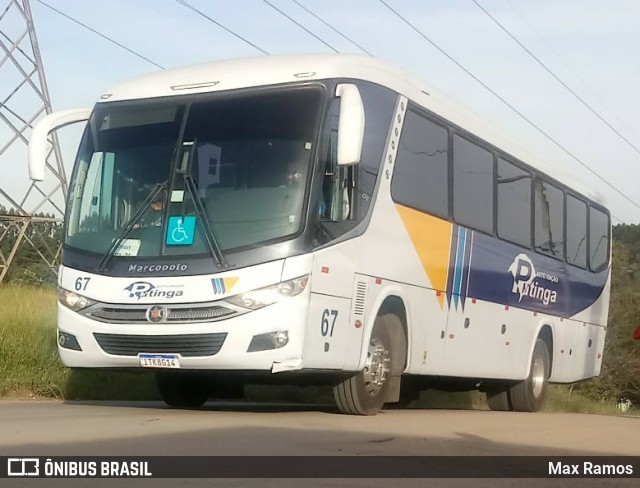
239 162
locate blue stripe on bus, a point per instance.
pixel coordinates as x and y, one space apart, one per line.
218 286
505 273
452 261
467 267
459 265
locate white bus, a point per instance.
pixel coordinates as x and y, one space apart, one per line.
321 218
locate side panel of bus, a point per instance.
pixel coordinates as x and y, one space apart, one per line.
475 304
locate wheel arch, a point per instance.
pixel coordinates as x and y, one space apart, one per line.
393 302
395 305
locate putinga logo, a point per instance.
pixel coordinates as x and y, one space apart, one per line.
528 283
144 289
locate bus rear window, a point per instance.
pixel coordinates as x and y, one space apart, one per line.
598 239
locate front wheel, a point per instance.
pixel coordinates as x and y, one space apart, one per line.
365 392
183 389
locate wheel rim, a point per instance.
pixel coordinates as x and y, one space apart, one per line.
377 367
537 376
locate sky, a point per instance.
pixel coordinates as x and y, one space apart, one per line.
590 45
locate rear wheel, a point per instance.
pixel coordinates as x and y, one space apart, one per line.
528 395
183 389
498 399
365 392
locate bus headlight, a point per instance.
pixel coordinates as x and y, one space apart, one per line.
269 295
72 300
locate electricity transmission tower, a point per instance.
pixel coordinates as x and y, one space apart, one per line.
28 210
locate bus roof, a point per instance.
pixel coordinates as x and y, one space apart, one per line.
278 69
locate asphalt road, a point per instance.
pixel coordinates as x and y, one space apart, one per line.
137 429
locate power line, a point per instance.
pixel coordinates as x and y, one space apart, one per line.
484 85
300 25
548 70
568 66
68 17
184 3
332 28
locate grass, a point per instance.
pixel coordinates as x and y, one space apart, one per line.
28 354
29 363
30 367
561 398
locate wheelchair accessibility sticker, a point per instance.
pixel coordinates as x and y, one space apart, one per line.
181 230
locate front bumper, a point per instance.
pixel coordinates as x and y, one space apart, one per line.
217 345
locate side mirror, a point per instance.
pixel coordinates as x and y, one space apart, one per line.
351 124
38 145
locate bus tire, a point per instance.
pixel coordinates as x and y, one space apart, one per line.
528 395
409 393
364 393
181 390
498 400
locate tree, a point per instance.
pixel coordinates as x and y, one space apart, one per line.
620 375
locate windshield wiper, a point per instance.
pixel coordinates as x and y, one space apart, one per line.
209 236
160 187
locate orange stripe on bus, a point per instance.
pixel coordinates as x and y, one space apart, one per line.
431 237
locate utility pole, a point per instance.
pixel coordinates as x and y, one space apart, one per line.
24 98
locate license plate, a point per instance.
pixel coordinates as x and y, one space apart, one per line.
159 360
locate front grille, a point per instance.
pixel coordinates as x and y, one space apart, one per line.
175 314
119 314
187 345
195 314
